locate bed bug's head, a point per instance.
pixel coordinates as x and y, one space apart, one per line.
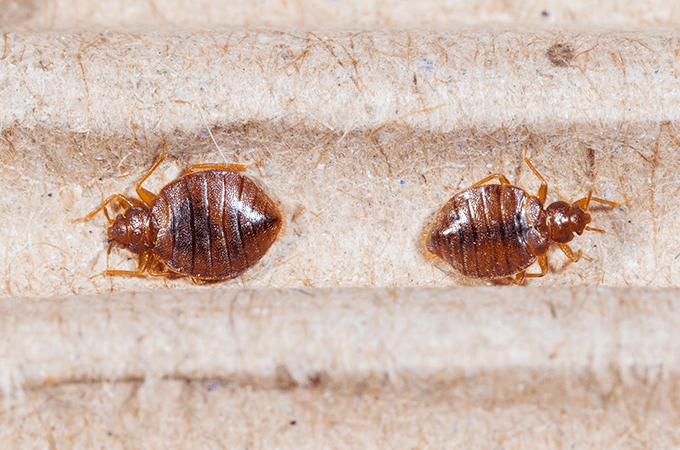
130 230
563 220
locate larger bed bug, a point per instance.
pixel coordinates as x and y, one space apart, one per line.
498 230
211 224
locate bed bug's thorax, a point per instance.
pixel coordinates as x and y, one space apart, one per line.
211 223
498 230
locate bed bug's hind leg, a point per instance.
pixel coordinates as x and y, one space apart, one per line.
229 167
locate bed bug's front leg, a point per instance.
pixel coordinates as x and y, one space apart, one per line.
148 196
124 201
585 202
570 254
543 189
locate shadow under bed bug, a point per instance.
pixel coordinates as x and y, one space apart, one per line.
498 230
210 224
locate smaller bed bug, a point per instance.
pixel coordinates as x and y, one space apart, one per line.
211 224
498 230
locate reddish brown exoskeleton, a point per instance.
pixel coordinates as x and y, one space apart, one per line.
498 230
210 224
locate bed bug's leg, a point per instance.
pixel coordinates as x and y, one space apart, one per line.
585 201
149 263
147 196
122 273
124 201
140 272
543 263
108 218
108 252
501 178
156 268
519 278
147 266
570 254
543 189
202 282
589 228
229 167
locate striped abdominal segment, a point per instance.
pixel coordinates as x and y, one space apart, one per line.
481 232
219 221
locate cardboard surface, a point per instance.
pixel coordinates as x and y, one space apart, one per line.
363 136
337 14
362 140
305 368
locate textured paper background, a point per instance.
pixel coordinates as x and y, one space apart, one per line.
357 180
374 368
90 91
339 14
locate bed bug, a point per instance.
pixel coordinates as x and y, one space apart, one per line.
498 230
211 223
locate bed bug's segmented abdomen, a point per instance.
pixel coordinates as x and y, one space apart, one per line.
219 221
481 232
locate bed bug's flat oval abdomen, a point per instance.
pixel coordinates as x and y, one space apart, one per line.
220 223
482 231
